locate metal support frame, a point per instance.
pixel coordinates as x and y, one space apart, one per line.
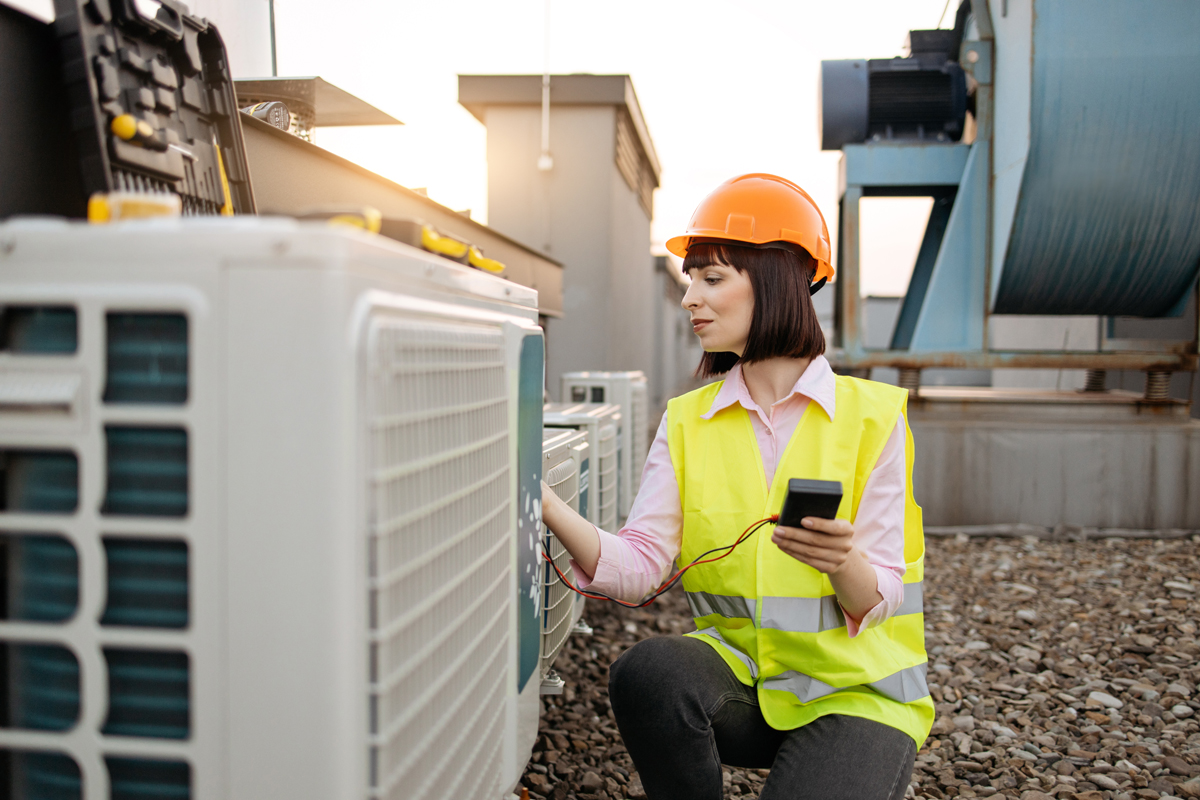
952 171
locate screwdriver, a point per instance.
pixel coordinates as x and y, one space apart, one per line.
130 129
133 130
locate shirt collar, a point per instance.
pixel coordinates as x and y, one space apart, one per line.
818 383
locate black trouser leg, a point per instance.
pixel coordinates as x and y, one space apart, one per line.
666 693
682 713
842 758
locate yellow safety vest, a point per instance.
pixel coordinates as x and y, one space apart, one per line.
775 620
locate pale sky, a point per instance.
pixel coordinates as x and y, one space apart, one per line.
726 87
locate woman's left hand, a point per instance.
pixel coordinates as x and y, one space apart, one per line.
825 545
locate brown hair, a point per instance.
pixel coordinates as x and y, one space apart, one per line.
784 323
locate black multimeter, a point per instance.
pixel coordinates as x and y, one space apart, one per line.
808 498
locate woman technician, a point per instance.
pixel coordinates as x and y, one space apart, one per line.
809 653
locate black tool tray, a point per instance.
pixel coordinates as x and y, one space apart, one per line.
155 61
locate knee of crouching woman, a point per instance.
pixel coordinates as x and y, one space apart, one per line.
644 672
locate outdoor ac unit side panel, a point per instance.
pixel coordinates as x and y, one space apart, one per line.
606 476
526 361
439 552
581 452
561 473
296 583
628 390
602 423
639 403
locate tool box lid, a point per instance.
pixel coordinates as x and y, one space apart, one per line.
165 73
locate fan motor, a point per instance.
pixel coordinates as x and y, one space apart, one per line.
922 96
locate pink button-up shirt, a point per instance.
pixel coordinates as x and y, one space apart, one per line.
637 559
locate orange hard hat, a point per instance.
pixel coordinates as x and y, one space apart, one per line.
759 210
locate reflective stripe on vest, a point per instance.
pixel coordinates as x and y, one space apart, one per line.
904 686
745 659
703 604
793 614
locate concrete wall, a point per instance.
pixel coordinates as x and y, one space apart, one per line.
1019 332
633 310
677 349
583 214
1045 458
879 316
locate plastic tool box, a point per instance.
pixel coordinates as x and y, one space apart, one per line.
152 103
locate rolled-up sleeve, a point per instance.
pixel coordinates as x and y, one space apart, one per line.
637 559
879 529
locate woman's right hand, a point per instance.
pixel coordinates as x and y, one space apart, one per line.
576 534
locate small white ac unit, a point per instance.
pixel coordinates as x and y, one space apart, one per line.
270 515
628 390
564 456
602 423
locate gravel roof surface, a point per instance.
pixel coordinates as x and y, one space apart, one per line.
1061 669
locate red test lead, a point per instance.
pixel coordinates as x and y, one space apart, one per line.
701 559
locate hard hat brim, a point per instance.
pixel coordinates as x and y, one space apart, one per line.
680 245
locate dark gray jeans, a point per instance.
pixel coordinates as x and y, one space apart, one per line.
682 713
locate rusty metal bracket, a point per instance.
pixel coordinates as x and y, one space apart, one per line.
902 359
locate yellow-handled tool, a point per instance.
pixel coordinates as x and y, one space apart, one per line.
227 206
129 128
442 245
476 258
366 218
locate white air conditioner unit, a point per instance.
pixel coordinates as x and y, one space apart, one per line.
602 424
628 390
565 459
270 514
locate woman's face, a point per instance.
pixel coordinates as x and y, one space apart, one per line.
721 302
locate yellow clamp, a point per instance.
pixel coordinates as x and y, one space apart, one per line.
366 218
114 206
442 245
476 258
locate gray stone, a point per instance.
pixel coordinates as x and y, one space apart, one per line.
1145 692
1179 767
942 726
591 781
1104 699
1020 651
